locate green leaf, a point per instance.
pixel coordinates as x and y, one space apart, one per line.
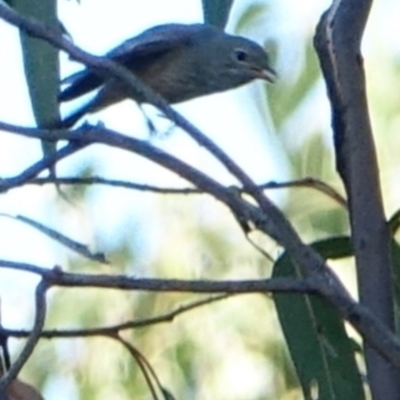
322 353
216 12
394 222
167 394
394 225
41 65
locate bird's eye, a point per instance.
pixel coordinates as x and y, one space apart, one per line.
240 55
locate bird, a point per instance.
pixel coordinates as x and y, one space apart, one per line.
178 61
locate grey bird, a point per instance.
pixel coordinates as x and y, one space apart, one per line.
180 62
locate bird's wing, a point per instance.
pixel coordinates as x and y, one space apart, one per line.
134 51
158 39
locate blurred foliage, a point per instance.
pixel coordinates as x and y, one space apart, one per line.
285 98
250 15
79 193
233 349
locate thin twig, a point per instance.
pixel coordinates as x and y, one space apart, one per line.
40 166
40 316
143 360
64 240
96 180
312 183
115 329
308 182
143 364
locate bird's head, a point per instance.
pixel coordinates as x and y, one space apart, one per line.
246 60
226 61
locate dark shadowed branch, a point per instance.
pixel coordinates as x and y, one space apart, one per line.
34 336
338 41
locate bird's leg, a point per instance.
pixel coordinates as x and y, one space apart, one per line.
169 129
150 125
153 131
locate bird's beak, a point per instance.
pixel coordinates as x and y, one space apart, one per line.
267 74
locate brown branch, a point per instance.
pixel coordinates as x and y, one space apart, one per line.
307 182
97 180
57 277
337 42
312 183
40 316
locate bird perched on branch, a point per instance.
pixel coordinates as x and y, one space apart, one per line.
180 62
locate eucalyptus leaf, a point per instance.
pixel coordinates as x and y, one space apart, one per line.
216 12
41 64
167 394
322 353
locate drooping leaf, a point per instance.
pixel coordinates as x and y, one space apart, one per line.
167 394
216 12
322 353
41 65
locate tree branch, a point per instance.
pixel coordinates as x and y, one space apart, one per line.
57 277
307 182
40 315
337 42
40 166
